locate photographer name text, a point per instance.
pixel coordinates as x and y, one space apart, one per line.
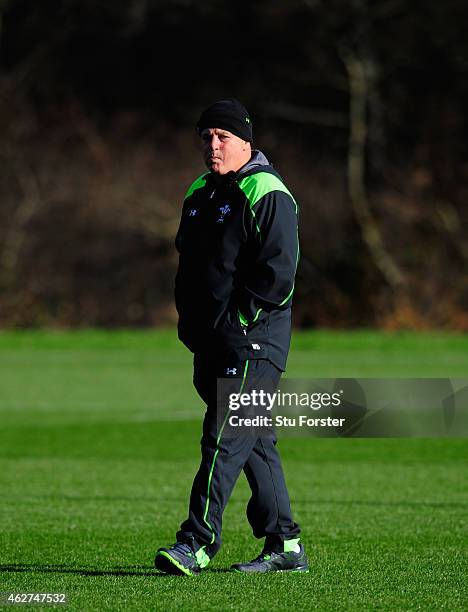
282 421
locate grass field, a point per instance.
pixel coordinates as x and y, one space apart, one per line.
99 444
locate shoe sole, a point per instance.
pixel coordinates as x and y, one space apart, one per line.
167 564
297 570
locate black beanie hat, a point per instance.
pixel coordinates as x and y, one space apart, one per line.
228 115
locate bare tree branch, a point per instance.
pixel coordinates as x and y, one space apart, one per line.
452 224
358 88
15 236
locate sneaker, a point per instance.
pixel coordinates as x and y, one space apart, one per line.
269 561
181 559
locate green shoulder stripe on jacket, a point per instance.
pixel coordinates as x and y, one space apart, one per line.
260 184
198 184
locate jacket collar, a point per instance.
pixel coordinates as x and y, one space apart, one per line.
257 160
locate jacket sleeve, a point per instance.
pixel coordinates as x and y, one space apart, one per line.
270 281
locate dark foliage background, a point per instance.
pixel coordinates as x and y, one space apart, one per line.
360 105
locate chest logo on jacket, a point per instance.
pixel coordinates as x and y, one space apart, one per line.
223 211
192 212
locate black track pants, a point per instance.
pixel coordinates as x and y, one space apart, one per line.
224 457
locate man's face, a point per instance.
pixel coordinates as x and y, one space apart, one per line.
223 151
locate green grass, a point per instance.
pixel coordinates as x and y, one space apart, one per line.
99 444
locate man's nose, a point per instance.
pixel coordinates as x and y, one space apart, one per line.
214 142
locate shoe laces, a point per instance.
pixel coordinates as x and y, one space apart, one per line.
184 548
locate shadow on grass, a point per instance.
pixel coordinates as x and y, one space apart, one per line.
118 570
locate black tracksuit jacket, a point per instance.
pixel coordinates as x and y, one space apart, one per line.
238 252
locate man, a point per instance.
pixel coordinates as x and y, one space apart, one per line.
238 252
